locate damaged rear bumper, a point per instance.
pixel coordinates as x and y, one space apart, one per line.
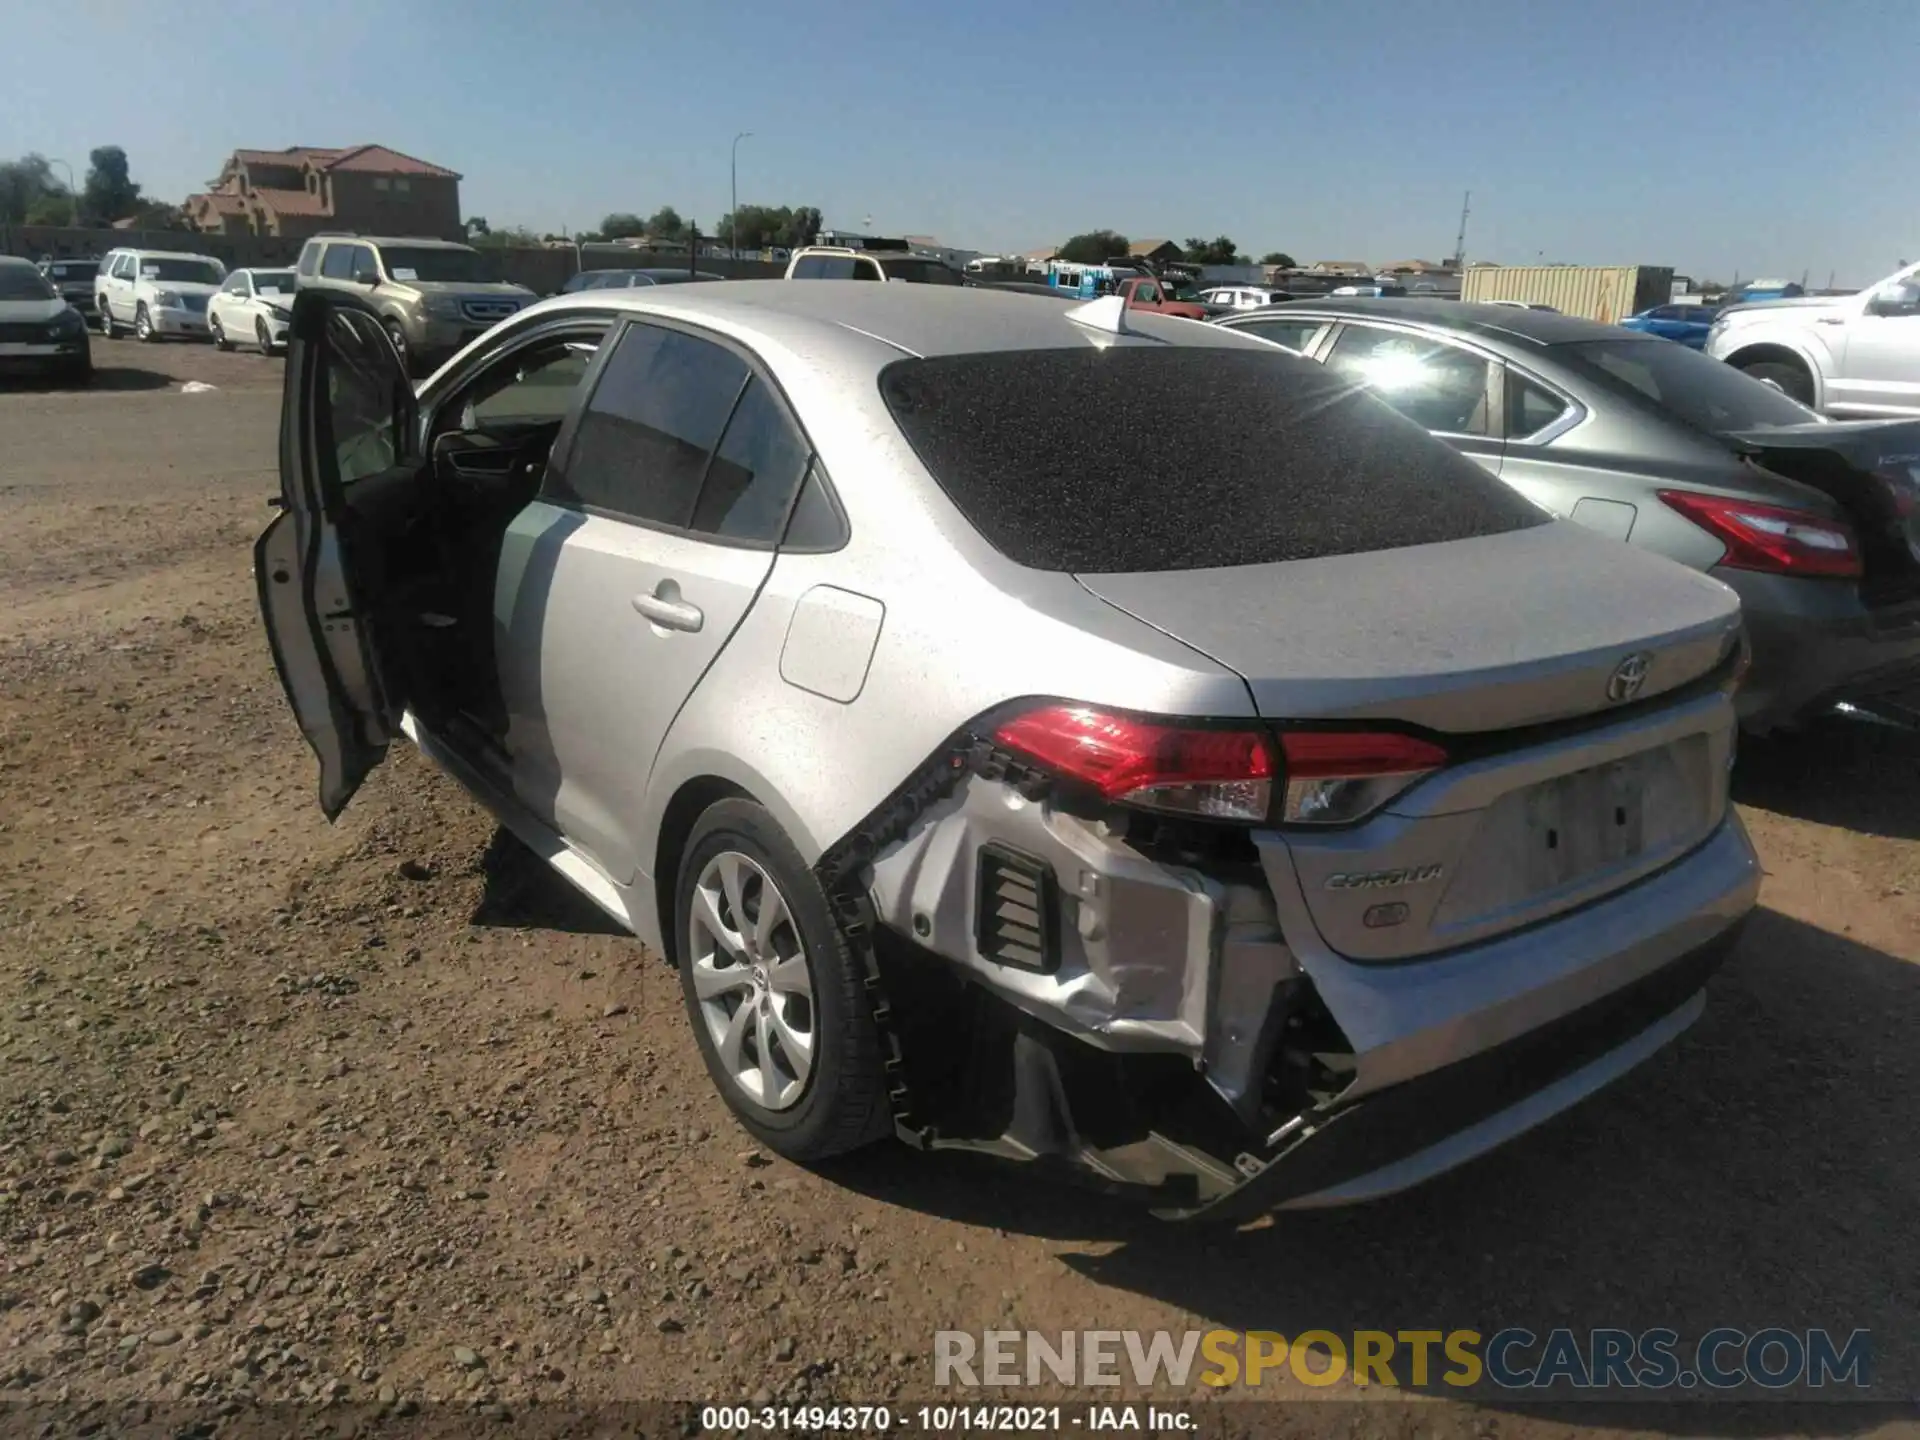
1190 1035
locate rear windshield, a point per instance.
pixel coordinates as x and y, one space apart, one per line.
269 281
74 269
23 282
920 272
1183 457
1708 394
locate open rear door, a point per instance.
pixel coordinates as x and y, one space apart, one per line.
347 437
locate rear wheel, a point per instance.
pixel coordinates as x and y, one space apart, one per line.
778 1007
399 338
1788 376
143 324
219 331
108 330
262 336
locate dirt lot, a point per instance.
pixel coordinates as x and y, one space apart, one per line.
376 1112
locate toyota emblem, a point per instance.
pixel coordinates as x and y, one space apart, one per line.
1628 676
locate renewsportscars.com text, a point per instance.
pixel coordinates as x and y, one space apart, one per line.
1771 1358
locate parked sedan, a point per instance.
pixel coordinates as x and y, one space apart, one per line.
628 279
40 333
1817 525
791 626
253 308
1687 324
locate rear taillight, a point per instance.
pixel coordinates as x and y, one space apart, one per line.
1334 776
1774 539
1178 769
1322 777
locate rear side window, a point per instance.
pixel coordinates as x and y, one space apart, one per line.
1531 408
642 446
1050 455
1429 381
309 260
338 264
760 463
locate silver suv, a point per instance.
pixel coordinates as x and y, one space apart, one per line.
433 296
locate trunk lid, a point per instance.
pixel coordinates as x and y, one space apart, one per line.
1480 635
1491 633
1871 470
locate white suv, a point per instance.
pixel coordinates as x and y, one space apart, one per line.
156 292
1845 355
842 262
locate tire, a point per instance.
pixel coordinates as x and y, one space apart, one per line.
143 325
399 338
261 336
829 1101
108 330
219 333
1790 377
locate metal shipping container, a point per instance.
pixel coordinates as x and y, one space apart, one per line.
1608 293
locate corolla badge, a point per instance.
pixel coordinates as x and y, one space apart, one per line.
1628 676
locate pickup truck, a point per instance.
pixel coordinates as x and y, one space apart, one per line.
1845 355
1143 292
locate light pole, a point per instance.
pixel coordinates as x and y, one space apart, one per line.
733 171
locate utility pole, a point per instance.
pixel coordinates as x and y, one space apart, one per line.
733 170
1460 242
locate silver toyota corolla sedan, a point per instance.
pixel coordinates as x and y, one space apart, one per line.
1816 525
1264 808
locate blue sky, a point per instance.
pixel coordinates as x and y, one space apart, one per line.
1763 137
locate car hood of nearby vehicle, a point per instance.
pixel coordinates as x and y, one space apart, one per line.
1470 635
28 312
489 288
1750 308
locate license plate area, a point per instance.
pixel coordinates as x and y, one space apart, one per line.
1570 839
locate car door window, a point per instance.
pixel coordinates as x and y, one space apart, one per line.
1294 334
123 268
656 414
360 395
362 261
1429 381
1531 408
337 264
761 460
531 387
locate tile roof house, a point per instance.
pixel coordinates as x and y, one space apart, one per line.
307 188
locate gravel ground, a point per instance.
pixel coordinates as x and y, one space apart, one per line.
378 1113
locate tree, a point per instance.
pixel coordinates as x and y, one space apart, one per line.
1217 251
56 207
1280 258
158 215
1094 247
666 224
109 194
24 183
622 225
801 227
476 226
508 237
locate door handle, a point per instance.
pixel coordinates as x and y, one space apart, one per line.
669 613
1830 319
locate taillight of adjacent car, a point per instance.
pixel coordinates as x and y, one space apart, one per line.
1248 775
1772 539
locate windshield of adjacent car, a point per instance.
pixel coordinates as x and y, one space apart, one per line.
181 270
406 263
1052 457
273 281
1707 394
74 269
23 282
920 272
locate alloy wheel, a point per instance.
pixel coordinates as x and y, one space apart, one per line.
752 981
